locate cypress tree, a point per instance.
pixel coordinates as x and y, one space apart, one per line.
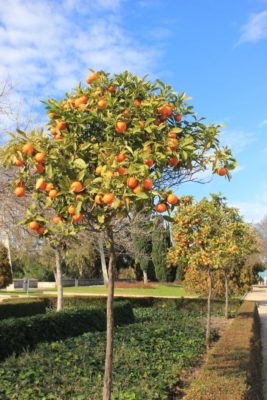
5 269
160 237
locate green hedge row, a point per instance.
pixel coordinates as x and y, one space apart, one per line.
233 368
194 304
16 334
13 308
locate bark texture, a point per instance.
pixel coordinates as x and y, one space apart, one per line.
110 320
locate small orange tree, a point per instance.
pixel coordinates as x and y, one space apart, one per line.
197 233
238 241
108 148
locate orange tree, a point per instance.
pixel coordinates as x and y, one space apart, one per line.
108 147
238 241
200 239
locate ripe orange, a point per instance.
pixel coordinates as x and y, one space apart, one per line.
166 112
137 103
222 171
108 198
81 100
148 184
102 104
77 218
111 89
132 182
61 125
28 148
142 124
98 170
71 210
34 225
161 207
172 199
137 189
79 197
173 143
56 219
20 191
178 117
120 127
19 184
53 194
58 137
172 134
41 230
92 78
39 157
76 187
41 184
39 168
53 131
19 163
52 115
49 187
120 157
173 161
98 199
109 174
121 170
149 162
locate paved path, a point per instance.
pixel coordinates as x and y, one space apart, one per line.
259 294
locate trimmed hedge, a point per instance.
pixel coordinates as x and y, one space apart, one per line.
233 369
193 304
13 308
17 334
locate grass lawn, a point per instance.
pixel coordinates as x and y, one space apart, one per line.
156 290
160 290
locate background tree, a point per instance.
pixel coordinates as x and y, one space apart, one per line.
5 269
109 144
199 241
159 249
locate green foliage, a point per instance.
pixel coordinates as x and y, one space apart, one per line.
81 260
233 370
18 334
159 250
85 136
13 308
5 269
151 355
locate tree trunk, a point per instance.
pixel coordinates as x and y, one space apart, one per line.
208 310
103 260
145 277
110 320
226 311
59 280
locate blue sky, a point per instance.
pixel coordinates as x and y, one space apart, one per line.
214 50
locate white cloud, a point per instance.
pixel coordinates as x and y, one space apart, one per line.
238 169
46 50
252 211
255 29
237 139
263 123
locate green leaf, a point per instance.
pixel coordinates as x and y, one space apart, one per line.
142 195
101 218
80 163
49 171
